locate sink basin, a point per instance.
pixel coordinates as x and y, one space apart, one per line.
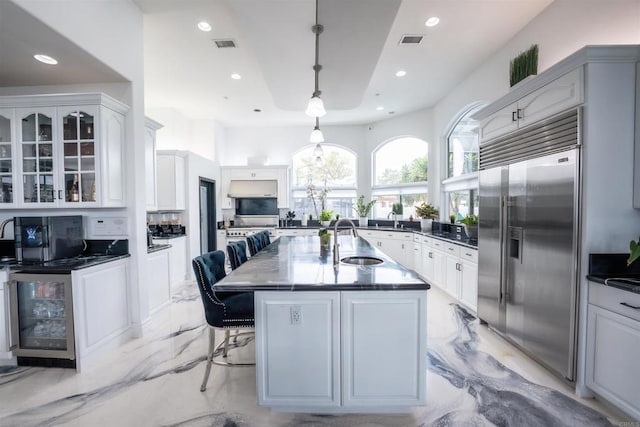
361 260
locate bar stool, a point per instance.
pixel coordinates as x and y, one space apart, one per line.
222 310
237 252
255 244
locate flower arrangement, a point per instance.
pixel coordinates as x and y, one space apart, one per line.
427 211
361 208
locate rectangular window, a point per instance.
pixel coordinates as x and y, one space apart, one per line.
340 201
409 196
462 203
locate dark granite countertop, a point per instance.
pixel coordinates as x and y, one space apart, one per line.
63 266
296 264
447 237
612 270
157 247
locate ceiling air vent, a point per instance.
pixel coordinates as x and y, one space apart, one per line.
407 39
225 43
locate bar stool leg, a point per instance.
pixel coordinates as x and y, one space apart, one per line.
212 339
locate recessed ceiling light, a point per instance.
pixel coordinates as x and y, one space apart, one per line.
432 22
204 26
236 76
45 59
380 108
401 73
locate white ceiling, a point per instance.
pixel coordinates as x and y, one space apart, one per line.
22 36
359 52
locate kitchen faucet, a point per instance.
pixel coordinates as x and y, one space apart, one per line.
336 255
395 219
3 225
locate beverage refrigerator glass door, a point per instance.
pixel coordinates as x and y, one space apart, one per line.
42 316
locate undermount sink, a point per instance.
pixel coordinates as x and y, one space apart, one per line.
361 260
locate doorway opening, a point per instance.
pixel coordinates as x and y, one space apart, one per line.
207 215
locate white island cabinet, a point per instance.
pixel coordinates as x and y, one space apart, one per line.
326 351
335 339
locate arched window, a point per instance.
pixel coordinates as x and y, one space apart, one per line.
460 187
400 175
332 182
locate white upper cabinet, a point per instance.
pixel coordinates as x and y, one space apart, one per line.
171 183
554 97
151 173
62 151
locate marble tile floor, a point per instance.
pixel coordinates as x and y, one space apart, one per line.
474 379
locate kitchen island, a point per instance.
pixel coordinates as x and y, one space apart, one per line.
335 340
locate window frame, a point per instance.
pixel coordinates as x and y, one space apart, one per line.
406 188
466 182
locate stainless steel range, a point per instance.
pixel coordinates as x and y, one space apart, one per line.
238 233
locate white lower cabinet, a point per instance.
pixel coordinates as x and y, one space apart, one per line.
613 346
158 274
177 258
298 361
100 309
323 351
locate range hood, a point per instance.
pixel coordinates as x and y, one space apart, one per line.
258 188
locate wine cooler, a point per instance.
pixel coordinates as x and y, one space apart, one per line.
42 319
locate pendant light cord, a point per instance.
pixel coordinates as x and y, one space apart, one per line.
317 29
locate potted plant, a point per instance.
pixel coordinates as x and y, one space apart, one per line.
325 239
325 218
362 209
452 218
471 225
427 214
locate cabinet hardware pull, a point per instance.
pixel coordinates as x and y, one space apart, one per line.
467 254
430 254
513 116
59 196
630 306
519 110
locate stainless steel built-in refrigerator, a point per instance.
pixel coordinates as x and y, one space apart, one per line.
527 243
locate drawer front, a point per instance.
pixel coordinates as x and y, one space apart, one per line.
438 244
469 254
426 241
451 249
417 238
616 300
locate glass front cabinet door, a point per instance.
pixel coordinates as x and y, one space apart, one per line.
7 164
36 137
79 154
62 151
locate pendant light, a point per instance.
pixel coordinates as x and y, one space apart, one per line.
316 136
315 108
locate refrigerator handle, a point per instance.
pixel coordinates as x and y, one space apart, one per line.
504 215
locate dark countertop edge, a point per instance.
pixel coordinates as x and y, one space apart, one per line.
615 284
325 287
63 269
401 230
168 237
157 248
